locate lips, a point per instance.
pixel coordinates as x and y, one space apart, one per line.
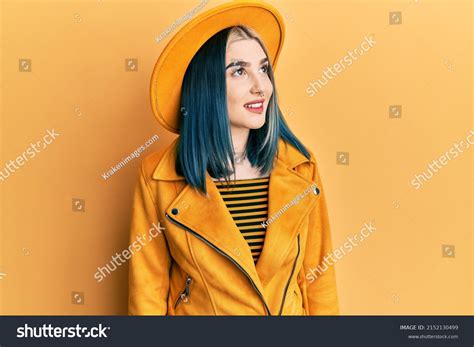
255 106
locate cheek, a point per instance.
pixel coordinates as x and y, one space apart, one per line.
234 97
268 87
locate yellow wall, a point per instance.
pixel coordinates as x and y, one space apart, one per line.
79 87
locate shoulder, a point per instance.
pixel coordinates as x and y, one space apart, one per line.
296 160
161 163
292 155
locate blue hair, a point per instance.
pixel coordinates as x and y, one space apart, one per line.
205 142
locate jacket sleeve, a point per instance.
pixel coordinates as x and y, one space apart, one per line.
150 261
320 279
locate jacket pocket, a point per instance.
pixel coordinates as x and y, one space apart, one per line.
297 305
185 293
289 281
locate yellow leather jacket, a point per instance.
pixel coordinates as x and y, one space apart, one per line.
200 264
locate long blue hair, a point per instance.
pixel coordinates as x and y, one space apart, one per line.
205 142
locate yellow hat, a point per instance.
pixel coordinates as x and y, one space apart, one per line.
169 70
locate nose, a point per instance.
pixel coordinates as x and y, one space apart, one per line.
257 85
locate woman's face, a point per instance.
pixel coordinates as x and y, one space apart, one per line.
248 85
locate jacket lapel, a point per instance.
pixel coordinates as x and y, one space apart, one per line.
207 216
210 219
284 188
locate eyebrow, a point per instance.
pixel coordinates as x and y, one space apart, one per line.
244 63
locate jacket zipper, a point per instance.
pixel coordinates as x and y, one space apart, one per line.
183 296
289 279
225 255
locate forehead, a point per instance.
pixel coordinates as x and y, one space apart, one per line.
244 49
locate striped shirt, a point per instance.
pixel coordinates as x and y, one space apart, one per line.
247 202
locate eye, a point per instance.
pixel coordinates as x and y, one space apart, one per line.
264 68
238 72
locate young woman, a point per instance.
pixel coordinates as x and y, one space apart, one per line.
230 218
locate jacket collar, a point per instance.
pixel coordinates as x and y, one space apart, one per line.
165 170
198 213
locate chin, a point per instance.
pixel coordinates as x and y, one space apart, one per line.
255 125
248 121
256 122
258 126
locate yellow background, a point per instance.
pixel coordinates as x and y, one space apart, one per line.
78 86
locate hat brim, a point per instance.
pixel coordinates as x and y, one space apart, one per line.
169 70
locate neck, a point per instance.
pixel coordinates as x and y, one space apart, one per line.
239 139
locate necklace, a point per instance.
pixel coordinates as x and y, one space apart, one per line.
239 157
